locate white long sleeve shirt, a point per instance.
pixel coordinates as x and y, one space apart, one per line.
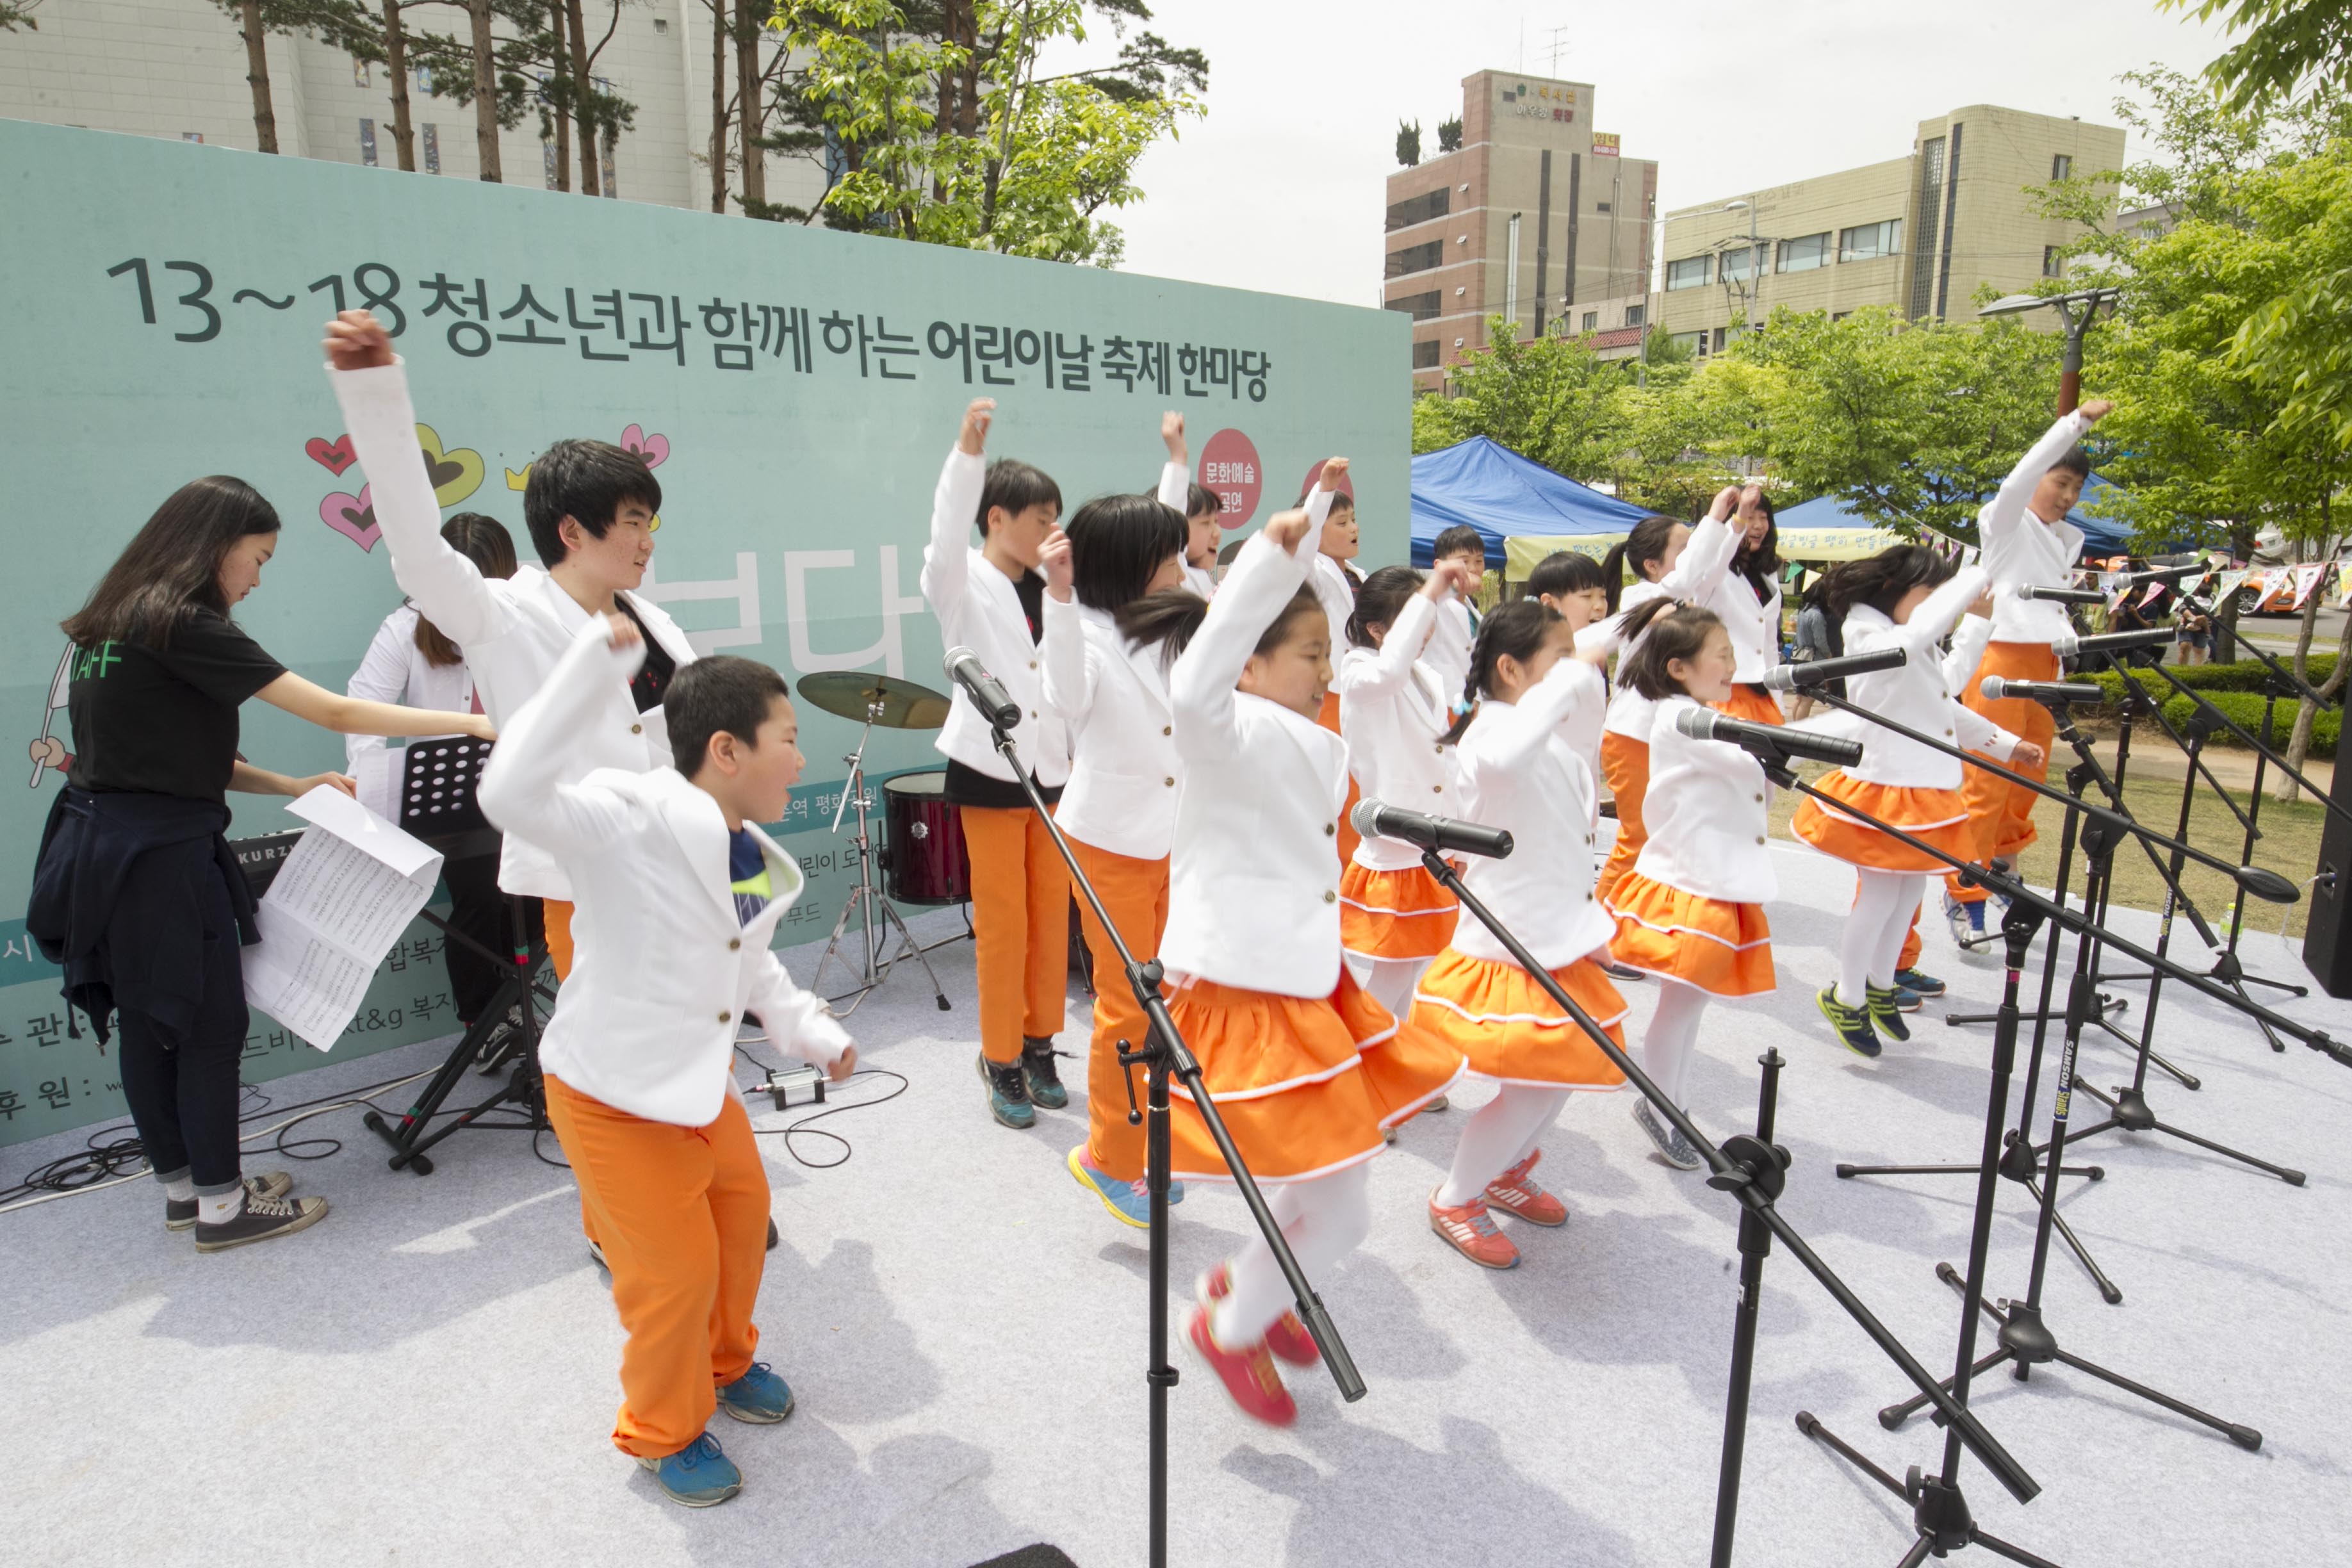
1707 814
1522 772
2019 548
1752 624
1253 884
1918 693
665 965
1448 652
1175 493
1113 699
1393 716
395 670
1696 574
514 630
979 608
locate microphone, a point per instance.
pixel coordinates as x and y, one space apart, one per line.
2163 573
2069 645
2000 690
1797 676
2063 596
1445 835
1769 742
986 692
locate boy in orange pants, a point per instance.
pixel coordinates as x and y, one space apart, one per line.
676 896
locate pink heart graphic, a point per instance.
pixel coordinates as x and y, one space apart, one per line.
354 517
334 455
653 449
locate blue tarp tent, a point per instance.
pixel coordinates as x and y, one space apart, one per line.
2101 536
1500 493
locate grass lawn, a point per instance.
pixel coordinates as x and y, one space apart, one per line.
2289 846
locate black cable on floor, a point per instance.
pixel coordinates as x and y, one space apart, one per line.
800 1128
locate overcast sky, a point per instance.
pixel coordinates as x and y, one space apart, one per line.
1281 188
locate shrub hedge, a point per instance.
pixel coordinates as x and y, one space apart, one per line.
2235 689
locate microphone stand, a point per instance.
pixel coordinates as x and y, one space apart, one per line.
1163 1053
2025 1340
1752 1170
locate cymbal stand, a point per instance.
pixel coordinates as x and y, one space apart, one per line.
865 900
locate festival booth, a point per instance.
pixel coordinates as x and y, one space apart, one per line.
1511 501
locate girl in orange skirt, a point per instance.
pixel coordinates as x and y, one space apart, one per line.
1670 561
1395 716
1303 1066
1522 772
1906 597
1748 597
1690 911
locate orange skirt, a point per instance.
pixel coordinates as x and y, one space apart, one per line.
1348 837
1751 704
1937 817
1724 949
1287 1075
1394 914
1510 1030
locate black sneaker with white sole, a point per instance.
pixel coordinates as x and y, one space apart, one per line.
261 1219
180 1214
1673 1148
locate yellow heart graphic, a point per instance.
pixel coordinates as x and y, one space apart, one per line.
516 481
455 475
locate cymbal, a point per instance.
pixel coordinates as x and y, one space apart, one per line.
885 700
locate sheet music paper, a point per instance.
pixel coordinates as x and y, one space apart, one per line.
341 899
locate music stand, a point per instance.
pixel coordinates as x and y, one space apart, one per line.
439 804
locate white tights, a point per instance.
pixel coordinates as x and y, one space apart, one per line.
1389 981
1497 1136
1673 1034
1324 1220
1883 908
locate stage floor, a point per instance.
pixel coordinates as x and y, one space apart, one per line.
429 1376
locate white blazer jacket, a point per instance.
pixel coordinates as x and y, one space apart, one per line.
665 969
1706 557
1254 886
1448 652
1394 717
1522 772
1124 770
395 669
1918 693
2019 548
1707 816
513 631
1752 624
978 608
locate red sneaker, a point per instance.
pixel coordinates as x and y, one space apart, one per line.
1470 1231
1249 1375
1287 1339
1515 1193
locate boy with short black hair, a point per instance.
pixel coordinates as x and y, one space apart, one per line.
679 895
1200 505
1448 652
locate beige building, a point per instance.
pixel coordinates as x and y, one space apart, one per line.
1536 216
1921 233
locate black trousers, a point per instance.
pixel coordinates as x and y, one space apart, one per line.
477 909
182 1085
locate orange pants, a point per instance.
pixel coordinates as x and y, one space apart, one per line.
559 936
1021 927
684 1214
1348 837
2000 813
1136 894
1627 764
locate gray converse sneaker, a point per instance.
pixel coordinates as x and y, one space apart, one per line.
259 1220
1673 1147
179 1213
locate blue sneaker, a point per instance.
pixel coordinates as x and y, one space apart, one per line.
697 1475
1966 922
759 1396
1130 1202
1886 1011
1852 1024
1918 984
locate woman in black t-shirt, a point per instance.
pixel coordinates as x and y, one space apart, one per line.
136 893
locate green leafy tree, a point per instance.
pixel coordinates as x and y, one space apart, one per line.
1449 136
15 13
935 121
1407 145
1550 398
2289 45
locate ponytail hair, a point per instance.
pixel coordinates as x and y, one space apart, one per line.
1170 619
1380 601
1667 631
1882 580
1647 542
1518 629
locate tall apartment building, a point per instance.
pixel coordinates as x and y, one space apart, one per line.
176 69
1921 233
1537 218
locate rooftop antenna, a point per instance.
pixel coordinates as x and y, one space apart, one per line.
1558 47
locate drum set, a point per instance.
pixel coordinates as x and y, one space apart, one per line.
922 860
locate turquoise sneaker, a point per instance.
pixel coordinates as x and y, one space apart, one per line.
1919 983
1008 1094
1042 1078
759 1396
1852 1024
1130 1202
697 1475
1886 1011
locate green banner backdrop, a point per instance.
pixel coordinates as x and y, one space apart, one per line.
795 389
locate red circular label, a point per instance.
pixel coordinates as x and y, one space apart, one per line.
1315 471
1229 468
